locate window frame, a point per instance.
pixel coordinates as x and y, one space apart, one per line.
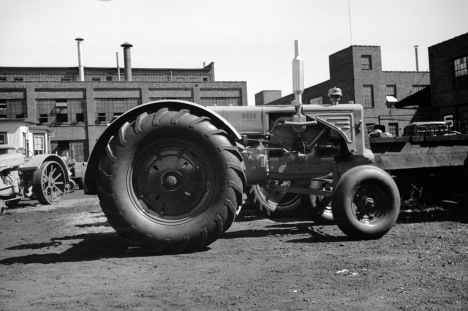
366 65
371 87
460 69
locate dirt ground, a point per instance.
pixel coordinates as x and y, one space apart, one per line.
67 257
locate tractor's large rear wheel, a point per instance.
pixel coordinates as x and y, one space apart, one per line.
49 183
170 181
366 202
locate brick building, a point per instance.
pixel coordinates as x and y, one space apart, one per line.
449 81
77 106
357 70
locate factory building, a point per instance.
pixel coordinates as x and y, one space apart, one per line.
449 81
77 103
357 71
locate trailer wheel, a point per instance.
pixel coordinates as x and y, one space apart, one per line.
267 202
321 205
170 181
71 186
49 183
366 202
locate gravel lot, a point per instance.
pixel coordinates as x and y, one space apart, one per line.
67 257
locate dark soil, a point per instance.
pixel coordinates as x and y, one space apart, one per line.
67 257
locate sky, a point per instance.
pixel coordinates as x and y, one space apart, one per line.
248 40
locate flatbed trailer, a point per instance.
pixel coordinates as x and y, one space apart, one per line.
416 159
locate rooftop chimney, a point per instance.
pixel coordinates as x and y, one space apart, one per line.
416 52
127 61
80 62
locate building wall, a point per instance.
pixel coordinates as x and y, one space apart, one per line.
449 93
347 73
78 112
265 97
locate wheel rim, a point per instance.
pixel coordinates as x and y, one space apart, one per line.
369 203
52 182
172 180
282 200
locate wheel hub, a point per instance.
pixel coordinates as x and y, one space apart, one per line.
171 181
170 178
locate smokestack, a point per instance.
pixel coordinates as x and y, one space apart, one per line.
416 52
127 61
80 62
118 67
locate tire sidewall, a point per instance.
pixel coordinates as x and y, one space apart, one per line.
126 200
342 202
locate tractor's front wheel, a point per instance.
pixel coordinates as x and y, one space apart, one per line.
170 181
366 202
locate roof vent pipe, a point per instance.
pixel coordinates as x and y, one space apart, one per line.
127 61
416 52
80 61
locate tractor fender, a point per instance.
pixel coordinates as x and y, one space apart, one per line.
92 169
36 161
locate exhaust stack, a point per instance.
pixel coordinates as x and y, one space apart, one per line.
80 62
127 61
298 75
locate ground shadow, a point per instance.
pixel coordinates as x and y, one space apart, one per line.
93 246
285 229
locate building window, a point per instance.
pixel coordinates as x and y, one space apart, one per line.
393 129
366 62
101 117
38 144
460 67
11 109
116 115
368 91
3 139
61 117
18 79
106 108
220 101
79 117
96 79
316 101
391 90
43 118
3 78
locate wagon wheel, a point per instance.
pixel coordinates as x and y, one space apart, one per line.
49 183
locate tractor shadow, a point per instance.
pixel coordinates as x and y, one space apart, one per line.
90 247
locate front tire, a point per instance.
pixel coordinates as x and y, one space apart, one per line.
170 181
366 202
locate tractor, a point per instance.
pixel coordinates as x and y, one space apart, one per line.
171 174
43 177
